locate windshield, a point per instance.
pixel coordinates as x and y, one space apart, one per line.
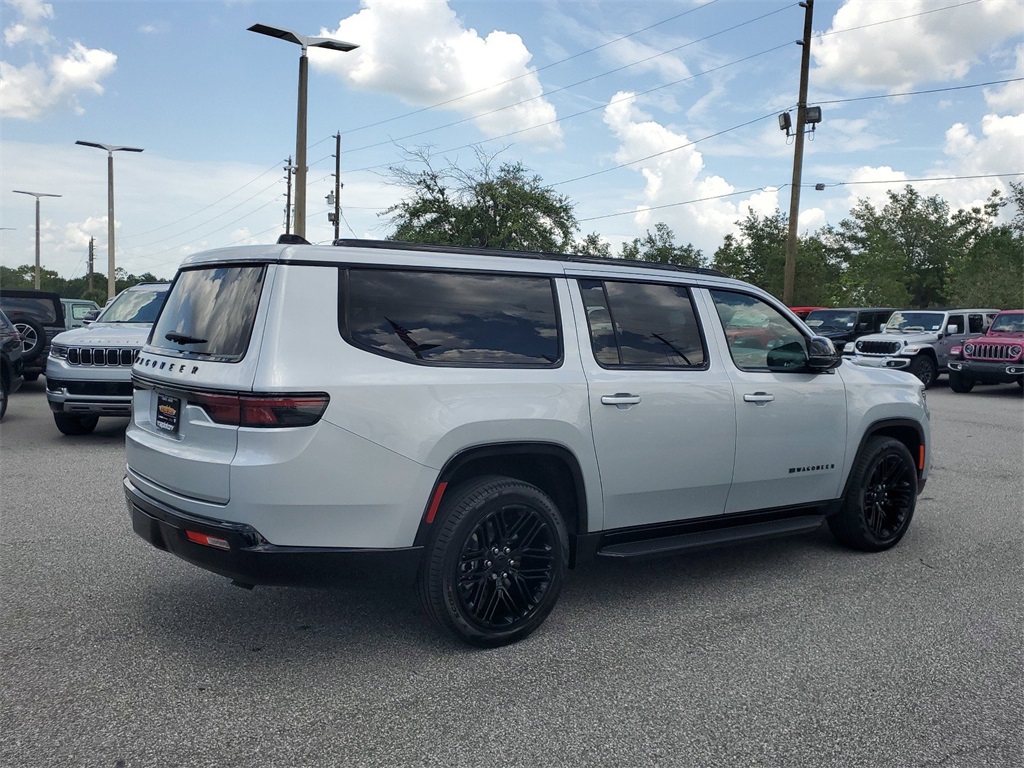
1008 324
135 305
831 318
914 322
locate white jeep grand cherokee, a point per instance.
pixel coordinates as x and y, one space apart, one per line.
484 420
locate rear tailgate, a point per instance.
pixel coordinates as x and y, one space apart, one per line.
204 347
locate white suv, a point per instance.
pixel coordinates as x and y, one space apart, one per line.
483 420
89 369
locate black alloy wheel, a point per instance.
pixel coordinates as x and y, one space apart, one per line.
496 564
70 424
924 368
33 338
960 382
880 498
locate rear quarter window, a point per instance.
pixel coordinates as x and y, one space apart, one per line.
210 312
446 318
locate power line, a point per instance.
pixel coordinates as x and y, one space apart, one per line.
919 93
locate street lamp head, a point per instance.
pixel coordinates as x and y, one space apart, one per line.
36 195
304 40
108 147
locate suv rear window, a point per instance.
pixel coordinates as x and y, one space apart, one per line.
452 318
39 308
210 312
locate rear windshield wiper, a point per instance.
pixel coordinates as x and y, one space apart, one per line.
181 338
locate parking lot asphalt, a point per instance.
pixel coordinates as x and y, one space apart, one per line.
793 652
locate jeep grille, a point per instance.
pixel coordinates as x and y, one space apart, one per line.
102 356
977 351
878 347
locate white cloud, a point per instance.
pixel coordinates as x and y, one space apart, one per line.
860 52
29 92
866 183
29 28
677 176
999 149
1009 98
419 51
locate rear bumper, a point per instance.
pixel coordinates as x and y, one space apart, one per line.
250 559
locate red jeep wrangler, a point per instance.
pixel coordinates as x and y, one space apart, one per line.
997 357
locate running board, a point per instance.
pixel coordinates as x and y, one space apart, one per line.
713 538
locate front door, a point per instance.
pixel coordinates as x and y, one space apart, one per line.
790 424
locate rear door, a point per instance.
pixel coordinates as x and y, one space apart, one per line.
663 419
203 349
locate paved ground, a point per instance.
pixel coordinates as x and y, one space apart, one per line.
791 653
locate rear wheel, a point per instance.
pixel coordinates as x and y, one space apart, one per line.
75 425
496 562
880 497
924 368
960 382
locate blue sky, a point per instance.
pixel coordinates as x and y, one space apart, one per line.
639 112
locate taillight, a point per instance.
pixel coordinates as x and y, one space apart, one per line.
262 410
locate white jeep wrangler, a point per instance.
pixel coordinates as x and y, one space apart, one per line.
483 420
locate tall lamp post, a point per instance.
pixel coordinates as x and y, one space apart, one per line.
111 289
36 195
300 131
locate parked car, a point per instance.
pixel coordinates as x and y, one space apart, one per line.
11 353
845 325
76 311
89 371
997 357
483 420
38 316
803 312
920 340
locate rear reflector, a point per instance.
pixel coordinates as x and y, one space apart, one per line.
262 410
207 541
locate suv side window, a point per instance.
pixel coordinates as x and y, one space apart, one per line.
759 336
642 325
976 323
452 318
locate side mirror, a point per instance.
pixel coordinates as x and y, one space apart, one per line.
787 357
951 329
822 355
90 316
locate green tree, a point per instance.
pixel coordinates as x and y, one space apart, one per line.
990 272
660 246
507 208
593 245
902 254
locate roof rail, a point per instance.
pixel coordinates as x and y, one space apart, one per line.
400 245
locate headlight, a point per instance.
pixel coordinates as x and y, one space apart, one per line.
858 346
59 351
968 349
1015 351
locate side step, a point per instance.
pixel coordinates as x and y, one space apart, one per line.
716 537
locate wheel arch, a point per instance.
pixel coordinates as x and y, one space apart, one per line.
907 431
551 467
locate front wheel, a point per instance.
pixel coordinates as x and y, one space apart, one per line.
75 425
924 368
960 382
880 497
496 562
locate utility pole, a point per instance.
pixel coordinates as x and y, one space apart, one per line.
288 170
92 257
789 277
337 185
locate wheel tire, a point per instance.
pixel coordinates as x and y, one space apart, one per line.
31 376
960 382
496 561
75 425
3 396
33 338
924 368
880 497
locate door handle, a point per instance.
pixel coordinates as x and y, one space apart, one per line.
759 398
620 398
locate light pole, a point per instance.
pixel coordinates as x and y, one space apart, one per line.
111 289
300 130
36 195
